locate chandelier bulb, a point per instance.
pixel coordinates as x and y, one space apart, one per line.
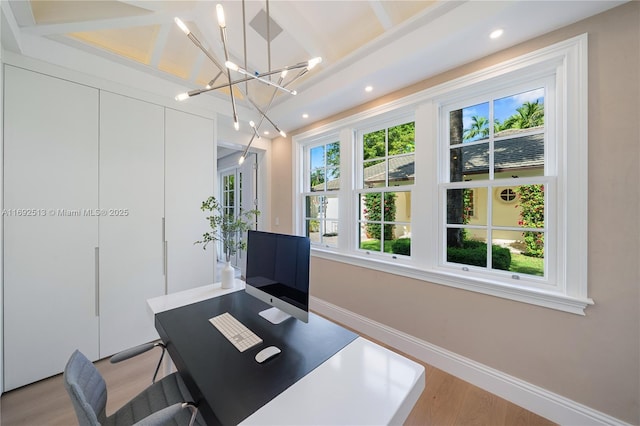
283 134
241 159
236 125
182 26
182 96
220 13
231 66
313 62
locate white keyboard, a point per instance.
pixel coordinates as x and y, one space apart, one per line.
235 332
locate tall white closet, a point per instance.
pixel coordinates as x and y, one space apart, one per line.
101 195
189 182
130 239
50 173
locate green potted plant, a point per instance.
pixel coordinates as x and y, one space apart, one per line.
228 229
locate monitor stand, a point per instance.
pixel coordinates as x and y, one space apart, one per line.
274 315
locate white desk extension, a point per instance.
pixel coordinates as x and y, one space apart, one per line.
364 383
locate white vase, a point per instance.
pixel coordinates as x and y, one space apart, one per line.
228 275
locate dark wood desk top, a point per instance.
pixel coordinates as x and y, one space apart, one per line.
230 385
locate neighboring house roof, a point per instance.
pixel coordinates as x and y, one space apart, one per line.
400 169
524 152
514 153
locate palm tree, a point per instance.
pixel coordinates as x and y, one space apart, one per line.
530 114
479 127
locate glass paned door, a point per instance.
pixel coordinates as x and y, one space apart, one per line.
238 194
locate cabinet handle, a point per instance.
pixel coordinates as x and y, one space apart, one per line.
166 261
96 257
164 249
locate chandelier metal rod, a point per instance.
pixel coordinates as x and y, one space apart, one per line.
223 34
273 96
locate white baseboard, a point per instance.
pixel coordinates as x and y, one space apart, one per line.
531 397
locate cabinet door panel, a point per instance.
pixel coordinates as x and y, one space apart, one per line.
190 167
132 205
51 169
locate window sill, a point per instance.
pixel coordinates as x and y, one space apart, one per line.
547 299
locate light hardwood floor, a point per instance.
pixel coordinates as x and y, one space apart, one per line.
446 400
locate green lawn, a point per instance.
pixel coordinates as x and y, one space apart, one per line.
519 262
374 245
527 264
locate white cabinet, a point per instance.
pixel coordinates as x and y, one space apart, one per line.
50 178
132 210
90 180
189 171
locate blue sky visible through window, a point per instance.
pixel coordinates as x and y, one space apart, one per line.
503 108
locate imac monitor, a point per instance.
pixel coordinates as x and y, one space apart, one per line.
278 274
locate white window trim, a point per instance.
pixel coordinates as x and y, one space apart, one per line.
570 60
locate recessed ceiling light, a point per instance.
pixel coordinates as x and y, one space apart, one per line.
496 33
266 132
305 115
368 88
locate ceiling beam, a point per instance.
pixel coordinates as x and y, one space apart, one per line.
381 14
9 30
156 18
160 43
296 26
21 11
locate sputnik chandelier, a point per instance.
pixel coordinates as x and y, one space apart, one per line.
225 70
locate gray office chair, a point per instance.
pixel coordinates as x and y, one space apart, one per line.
165 402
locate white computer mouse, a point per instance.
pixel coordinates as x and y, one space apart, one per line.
267 353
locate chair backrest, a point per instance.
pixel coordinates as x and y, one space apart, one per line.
87 389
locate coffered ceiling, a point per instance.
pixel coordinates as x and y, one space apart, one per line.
387 44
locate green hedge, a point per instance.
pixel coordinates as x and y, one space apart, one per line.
475 253
402 246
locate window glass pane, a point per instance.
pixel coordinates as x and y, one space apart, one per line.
518 259
402 170
455 206
519 206
333 154
329 229
333 179
317 157
314 205
469 124
467 248
374 173
366 240
330 208
317 180
402 244
519 157
373 145
370 206
313 230
520 111
469 163
389 237
401 207
467 206
531 205
402 139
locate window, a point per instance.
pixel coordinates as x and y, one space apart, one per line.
479 183
508 195
386 170
322 177
509 152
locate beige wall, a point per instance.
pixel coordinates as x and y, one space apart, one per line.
595 359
